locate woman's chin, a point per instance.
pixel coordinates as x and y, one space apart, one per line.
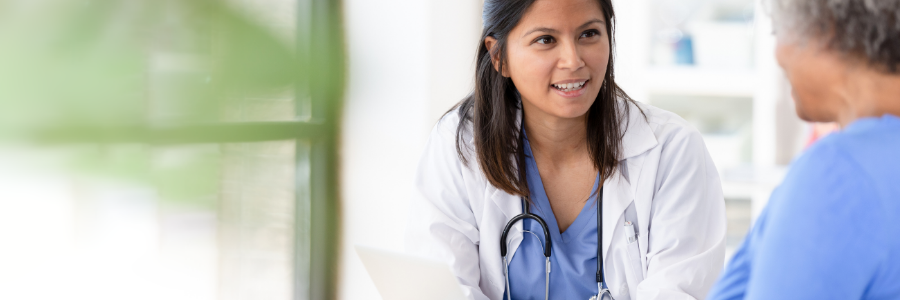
572 108
570 112
561 107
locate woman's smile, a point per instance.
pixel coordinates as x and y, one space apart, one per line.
570 88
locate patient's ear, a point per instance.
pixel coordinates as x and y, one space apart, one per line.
489 43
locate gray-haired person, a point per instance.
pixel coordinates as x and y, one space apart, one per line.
832 229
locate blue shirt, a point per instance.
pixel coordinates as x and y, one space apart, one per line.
574 252
832 229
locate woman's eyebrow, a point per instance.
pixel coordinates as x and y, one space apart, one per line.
551 30
592 22
543 29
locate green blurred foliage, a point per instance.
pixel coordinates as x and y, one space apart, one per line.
183 174
123 67
117 62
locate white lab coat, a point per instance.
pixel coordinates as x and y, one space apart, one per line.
666 184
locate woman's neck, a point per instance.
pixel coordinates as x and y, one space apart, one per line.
869 93
556 139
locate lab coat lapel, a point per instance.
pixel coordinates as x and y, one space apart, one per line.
617 195
511 206
637 136
618 192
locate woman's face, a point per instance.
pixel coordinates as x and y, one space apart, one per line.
557 57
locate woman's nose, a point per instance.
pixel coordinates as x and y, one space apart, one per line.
569 57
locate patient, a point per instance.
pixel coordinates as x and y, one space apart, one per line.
832 229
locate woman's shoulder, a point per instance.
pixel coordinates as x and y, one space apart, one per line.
667 126
668 129
449 154
661 119
450 135
448 123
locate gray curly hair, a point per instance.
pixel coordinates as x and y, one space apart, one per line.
867 29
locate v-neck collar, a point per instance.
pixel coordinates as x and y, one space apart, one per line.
542 201
638 137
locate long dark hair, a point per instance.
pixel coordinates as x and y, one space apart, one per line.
492 108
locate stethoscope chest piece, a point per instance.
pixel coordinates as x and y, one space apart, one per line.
603 295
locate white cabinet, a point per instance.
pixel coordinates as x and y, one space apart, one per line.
712 62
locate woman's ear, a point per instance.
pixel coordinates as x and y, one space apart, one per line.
489 43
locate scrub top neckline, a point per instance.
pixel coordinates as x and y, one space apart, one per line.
542 203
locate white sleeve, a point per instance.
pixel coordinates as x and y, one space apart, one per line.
686 242
442 224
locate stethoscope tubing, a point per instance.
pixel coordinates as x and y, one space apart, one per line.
548 244
600 276
512 222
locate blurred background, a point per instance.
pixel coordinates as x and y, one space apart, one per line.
239 149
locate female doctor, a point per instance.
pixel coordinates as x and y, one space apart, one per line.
545 142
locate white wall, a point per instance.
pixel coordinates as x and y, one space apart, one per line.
632 44
409 61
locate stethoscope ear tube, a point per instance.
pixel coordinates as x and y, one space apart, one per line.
548 243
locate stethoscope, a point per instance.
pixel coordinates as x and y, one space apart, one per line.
602 293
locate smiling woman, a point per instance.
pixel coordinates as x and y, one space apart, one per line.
554 55
619 199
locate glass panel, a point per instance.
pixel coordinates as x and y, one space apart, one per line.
272 106
257 221
231 70
303 222
280 17
194 222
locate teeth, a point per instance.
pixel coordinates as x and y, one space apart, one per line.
569 86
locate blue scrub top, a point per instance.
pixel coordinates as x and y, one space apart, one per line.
574 255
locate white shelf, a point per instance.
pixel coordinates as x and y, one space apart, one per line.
739 189
700 81
752 182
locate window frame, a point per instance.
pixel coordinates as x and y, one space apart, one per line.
319 46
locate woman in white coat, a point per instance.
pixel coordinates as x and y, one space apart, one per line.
548 131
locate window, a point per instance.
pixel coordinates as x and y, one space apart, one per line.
233 123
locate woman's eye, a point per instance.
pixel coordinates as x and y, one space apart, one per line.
590 33
544 40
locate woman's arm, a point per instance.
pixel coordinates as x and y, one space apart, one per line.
825 236
442 224
686 242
